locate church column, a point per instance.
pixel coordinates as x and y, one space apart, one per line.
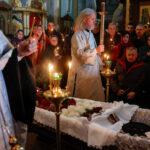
26 15
127 12
57 12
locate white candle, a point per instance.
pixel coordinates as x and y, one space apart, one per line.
50 73
69 64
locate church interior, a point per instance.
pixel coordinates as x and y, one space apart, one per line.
77 106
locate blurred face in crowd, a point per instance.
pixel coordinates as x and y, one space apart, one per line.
131 55
140 30
148 41
54 41
112 30
35 30
39 31
51 26
125 38
130 28
89 21
20 35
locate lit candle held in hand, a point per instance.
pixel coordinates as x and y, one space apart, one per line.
69 64
50 74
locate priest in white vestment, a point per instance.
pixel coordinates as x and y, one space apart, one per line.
85 79
10 123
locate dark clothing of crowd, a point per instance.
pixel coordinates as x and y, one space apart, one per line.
130 77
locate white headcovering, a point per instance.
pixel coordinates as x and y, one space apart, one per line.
84 13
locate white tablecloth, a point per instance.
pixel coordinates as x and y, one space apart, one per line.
99 131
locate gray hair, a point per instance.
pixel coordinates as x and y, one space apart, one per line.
131 49
111 24
140 25
83 14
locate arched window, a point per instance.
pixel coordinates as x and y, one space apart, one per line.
2 23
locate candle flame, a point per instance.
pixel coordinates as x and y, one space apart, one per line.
105 55
50 67
69 64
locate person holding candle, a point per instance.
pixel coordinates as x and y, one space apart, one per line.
111 39
54 54
17 90
52 31
119 51
85 79
39 36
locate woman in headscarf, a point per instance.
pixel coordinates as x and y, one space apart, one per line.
19 37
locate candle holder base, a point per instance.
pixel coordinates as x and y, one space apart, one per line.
57 98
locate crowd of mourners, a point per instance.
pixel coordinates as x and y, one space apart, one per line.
129 52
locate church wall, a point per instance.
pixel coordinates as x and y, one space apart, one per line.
64 7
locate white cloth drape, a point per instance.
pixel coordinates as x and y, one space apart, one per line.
6 123
5 117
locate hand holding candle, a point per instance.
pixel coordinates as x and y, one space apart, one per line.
50 74
69 64
31 30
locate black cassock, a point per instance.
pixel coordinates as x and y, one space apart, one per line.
21 89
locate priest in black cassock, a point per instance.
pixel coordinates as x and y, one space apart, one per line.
17 90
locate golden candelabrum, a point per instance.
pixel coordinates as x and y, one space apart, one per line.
108 74
57 95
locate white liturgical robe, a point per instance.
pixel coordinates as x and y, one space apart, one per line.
6 123
85 79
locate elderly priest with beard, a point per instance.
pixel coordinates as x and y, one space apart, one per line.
85 79
17 91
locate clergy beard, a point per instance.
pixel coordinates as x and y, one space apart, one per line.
90 28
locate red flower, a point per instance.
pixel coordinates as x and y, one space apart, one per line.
51 107
45 102
72 102
40 98
64 106
86 115
97 109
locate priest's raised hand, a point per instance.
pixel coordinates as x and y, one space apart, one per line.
27 47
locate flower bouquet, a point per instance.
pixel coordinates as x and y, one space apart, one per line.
70 107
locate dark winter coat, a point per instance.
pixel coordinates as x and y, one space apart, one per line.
131 79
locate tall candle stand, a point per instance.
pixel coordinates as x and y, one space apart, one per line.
57 95
108 74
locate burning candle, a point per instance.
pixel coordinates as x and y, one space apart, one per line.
111 39
106 57
69 64
50 73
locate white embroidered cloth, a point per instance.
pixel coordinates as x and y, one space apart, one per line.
99 131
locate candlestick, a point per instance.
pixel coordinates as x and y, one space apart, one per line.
31 31
50 73
69 64
108 74
57 95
